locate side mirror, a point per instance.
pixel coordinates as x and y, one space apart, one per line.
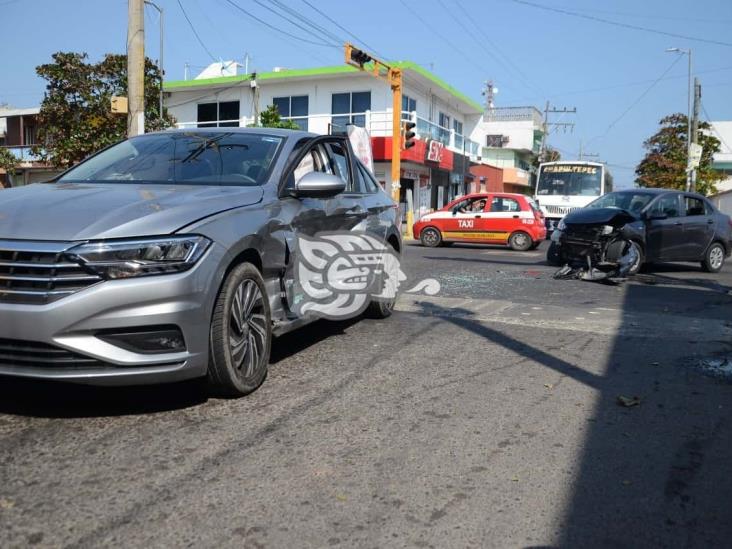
319 185
455 209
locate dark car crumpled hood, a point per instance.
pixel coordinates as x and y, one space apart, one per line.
594 216
72 211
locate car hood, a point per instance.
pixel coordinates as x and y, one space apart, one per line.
74 211
593 216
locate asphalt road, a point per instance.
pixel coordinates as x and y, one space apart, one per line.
484 416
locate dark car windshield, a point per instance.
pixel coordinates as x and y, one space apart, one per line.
190 158
630 201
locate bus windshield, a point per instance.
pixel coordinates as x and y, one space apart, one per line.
569 179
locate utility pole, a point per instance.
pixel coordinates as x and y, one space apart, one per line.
135 68
583 154
160 63
694 134
547 124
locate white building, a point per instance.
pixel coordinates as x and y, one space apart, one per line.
722 161
511 139
325 99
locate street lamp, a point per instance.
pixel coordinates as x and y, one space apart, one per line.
688 112
160 63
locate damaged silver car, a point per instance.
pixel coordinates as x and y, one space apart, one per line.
620 232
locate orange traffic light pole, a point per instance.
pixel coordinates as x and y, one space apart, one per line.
359 59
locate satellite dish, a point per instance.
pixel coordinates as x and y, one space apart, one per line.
495 90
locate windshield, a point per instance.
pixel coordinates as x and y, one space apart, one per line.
630 201
569 179
206 158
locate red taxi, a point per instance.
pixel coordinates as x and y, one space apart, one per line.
492 218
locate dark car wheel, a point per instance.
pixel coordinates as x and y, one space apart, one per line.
714 258
554 255
638 265
241 334
520 241
382 308
430 237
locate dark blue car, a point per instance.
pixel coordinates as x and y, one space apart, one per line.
660 224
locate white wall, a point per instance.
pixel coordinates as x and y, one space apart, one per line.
183 104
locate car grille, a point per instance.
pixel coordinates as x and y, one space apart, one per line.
582 233
39 273
560 210
29 353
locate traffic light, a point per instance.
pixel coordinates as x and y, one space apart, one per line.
408 134
359 57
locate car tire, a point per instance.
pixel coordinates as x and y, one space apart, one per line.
520 241
554 255
241 334
638 267
714 258
381 308
430 237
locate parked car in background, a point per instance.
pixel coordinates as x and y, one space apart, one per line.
490 218
662 225
170 255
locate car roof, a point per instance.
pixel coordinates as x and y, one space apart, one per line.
492 193
655 191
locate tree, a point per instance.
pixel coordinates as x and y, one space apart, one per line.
550 155
664 165
75 119
8 162
270 118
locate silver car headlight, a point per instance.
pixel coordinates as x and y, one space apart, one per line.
141 257
607 229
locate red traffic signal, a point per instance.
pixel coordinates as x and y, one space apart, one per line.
408 134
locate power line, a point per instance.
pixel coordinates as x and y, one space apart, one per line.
640 98
276 29
294 23
709 119
508 63
292 11
618 24
349 33
190 23
440 35
655 17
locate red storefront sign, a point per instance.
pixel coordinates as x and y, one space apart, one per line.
418 154
434 151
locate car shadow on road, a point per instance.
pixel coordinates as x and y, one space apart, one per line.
35 398
292 343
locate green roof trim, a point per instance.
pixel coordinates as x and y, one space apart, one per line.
317 71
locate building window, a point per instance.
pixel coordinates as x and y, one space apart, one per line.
444 130
409 106
29 135
223 114
458 127
351 107
293 108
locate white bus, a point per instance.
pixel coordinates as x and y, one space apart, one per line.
565 186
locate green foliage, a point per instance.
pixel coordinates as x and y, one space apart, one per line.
8 161
550 155
76 119
664 165
270 118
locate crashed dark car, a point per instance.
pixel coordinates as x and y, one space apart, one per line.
618 233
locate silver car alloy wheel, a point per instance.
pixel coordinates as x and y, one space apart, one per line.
716 257
247 328
430 236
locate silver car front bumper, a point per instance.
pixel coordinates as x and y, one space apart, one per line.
72 323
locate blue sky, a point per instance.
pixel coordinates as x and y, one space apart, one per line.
532 55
